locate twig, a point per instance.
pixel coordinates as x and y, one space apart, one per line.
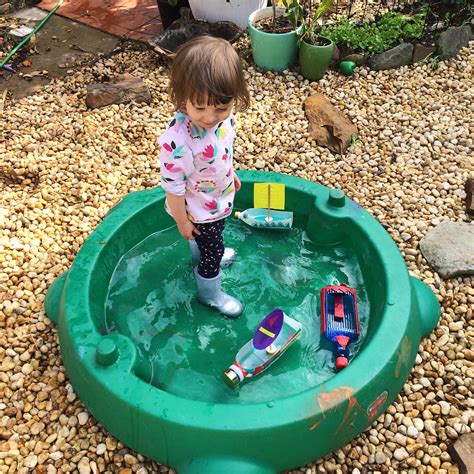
78 48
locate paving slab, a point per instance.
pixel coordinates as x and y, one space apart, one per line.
135 19
61 45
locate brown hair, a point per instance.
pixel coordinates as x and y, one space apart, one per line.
208 69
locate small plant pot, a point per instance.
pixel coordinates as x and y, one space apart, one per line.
168 13
314 59
272 51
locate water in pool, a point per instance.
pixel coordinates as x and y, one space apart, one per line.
184 346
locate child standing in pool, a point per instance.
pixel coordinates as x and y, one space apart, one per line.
196 158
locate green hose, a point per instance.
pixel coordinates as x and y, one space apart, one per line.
43 21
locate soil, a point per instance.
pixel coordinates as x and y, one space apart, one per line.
280 26
61 45
319 42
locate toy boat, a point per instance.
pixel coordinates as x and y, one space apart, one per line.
272 337
339 320
262 218
267 196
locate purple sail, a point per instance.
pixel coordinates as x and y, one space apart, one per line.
268 329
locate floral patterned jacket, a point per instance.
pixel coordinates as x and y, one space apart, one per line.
198 163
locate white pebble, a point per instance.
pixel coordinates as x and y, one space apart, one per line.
380 457
101 448
400 454
419 424
83 417
445 407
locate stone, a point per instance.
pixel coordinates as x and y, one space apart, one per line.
419 424
84 466
31 461
449 248
120 90
400 454
5 8
380 457
452 40
359 59
101 449
327 125
456 326
83 417
445 407
398 56
422 51
469 188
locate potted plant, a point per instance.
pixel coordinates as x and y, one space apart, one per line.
316 51
169 10
236 11
273 35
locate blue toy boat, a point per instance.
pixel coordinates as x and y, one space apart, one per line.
339 320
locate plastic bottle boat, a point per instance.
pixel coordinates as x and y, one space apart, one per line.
272 338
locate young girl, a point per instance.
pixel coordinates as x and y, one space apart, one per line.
196 157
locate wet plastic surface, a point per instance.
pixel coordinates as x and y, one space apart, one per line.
184 346
200 435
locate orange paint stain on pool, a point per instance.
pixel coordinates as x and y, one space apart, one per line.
331 403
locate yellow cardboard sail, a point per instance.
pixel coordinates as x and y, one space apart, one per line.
269 195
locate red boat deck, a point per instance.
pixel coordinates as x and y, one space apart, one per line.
136 19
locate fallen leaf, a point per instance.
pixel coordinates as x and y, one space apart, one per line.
27 63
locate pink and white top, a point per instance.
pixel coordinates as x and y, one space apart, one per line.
198 163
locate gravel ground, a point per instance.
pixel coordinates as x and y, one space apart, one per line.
62 167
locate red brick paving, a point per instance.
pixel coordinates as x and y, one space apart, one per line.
136 19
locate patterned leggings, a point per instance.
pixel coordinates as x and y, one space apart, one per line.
211 245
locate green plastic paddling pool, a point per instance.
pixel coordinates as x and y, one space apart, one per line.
146 357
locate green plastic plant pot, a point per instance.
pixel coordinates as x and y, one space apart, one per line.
314 60
273 52
270 434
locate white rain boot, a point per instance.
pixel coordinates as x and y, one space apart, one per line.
210 293
227 259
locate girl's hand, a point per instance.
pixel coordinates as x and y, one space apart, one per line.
237 184
188 230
